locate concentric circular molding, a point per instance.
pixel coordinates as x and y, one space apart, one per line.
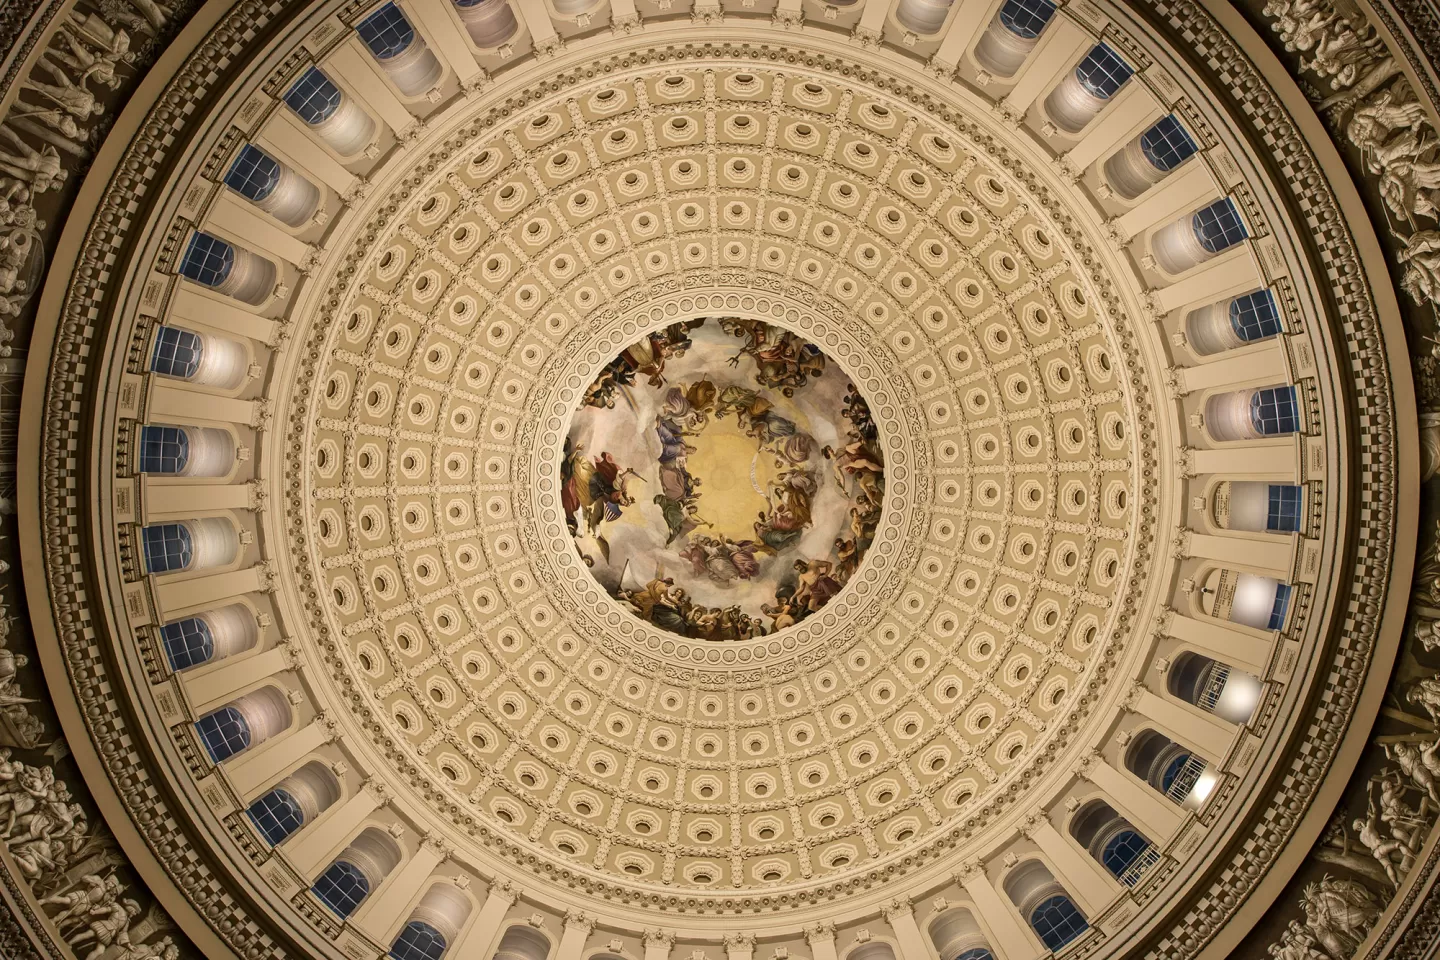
400 545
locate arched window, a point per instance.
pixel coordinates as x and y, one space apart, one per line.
386 32
1123 851
1057 921
276 815
208 260
313 97
1167 144
1274 411
1026 18
1214 687
522 943
1170 768
1149 158
211 635
1102 73
1255 506
1083 93
1233 323
1219 227
1113 842
1245 598
1013 33
489 23
1198 237
418 941
245 722
168 547
164 450
225 732
189 545
254 174
1255 316
922 16
342 887
177 353
957 936
188 643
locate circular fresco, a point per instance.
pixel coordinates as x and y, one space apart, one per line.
722 478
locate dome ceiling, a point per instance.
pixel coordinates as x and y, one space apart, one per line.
494 662
590 478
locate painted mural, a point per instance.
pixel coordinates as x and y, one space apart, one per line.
722 478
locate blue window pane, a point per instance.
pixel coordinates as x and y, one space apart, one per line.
1026 18
418 941
1123 849
177 353
1173 771
1284 513
188 643
976 953
224 733
1057 921
386 32
276 815
1219 227
163 450
1273 411
313 97
342 887
1102 72
1255 316
207 260
1167 144
167 547
1282 603
254 174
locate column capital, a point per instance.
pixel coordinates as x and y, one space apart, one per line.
1032 823
503 890
819 932
1085 766
377 790
739 941
895 909
579 920
969 870
658 938
437 847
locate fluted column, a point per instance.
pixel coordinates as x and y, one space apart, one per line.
901 917
1209 282
312 848
187 303
173 596
478 942
1010 937
1061 46
1133 110
820 937
1206 733
1138 802
1083 878
1183 191
170 499
1267 458
446 37
380 916
1271 555
572 938
212 686
256 770
1262 362
231 214
1220 641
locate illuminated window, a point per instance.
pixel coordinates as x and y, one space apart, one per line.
188 643
254 174
224 733
313 97
1102 72
386 32
1166 144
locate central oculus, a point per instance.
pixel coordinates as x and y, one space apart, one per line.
722 478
